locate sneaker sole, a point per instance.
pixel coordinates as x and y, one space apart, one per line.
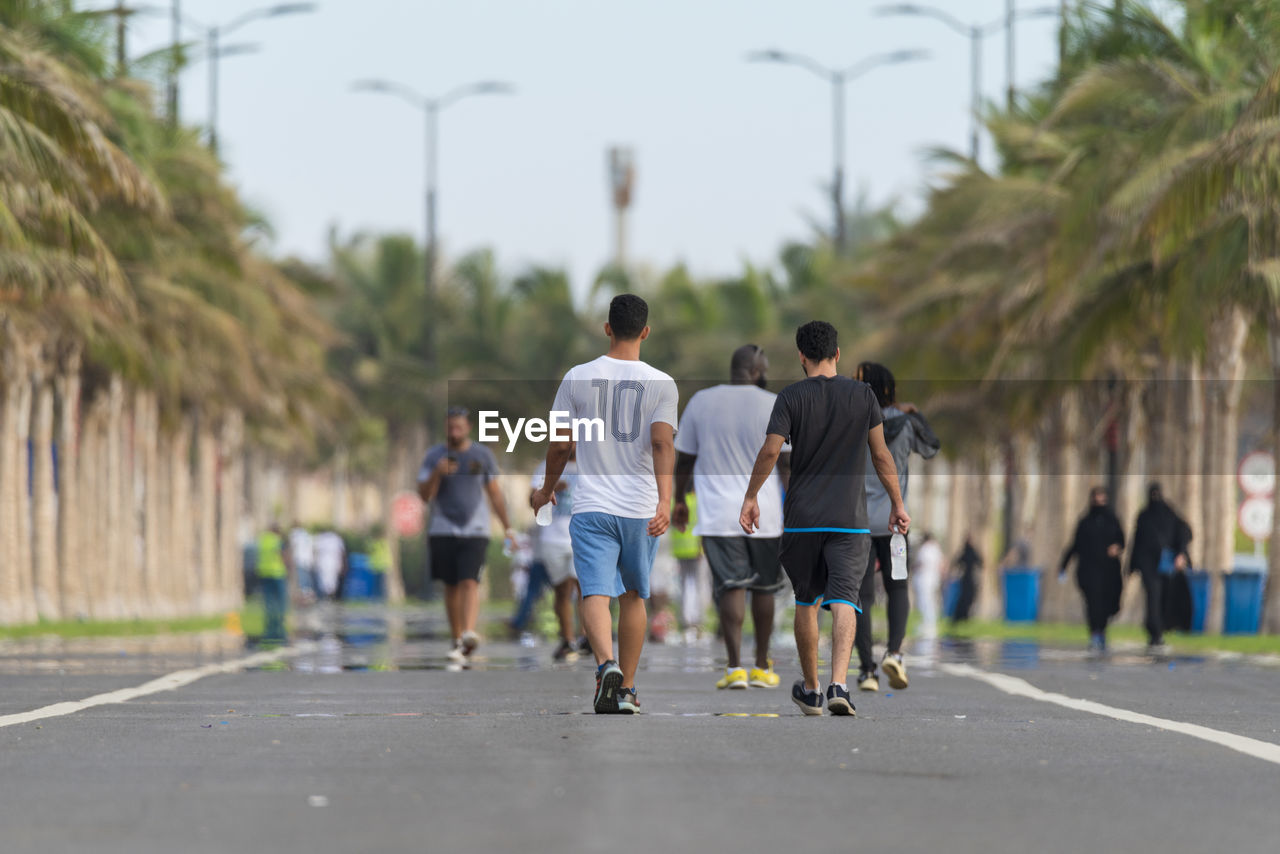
756 683
812 711
897 675
628 709
607 697
842 708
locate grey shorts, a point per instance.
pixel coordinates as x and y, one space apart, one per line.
743 563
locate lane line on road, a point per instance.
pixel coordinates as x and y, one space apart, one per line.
169 682
1263 750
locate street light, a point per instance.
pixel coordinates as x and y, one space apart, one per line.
976 34
837 78
431 108
213 37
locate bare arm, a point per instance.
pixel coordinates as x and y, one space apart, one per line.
888 474
784 469
684 473
499 503
427 489
662 440
558 454
749 518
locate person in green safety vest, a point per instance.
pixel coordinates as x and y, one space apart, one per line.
686 547
379 562
273 580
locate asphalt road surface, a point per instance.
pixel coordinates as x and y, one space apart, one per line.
360 740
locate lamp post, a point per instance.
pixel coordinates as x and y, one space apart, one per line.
215 51
431 108
976 33
837 78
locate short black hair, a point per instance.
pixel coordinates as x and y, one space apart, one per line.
881 381
816 340
628 316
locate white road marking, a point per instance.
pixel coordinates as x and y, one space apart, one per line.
1263 750
170 682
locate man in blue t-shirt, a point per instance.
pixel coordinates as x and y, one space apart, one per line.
828 421
455 479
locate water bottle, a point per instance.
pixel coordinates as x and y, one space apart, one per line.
897 556
544 515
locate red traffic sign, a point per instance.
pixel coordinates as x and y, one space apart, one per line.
1257 473
407 516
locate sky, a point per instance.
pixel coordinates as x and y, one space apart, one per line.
732 157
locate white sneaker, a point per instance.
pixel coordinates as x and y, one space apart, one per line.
469 640
456 654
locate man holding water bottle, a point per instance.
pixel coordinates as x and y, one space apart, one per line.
828 420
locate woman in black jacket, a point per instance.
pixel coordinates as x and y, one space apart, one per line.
1097 546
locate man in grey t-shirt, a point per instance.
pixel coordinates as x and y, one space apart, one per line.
454 479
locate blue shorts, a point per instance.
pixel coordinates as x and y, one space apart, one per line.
612 555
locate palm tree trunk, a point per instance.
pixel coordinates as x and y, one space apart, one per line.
10 496
111 492
1271 601
231 588
207 510
1227 336
45 514
71 570
184 523
146 430
22 557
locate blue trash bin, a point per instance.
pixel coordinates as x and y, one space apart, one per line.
1242 602
359 583
1022 594
1198 581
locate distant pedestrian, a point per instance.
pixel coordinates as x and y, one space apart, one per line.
1160 540
828 421
926 582
1097 546
273 580
330 556
553 557
720 433
686 548
455 478
303 553
967 565
905 432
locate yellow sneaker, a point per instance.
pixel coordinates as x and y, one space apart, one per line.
764 678
735 678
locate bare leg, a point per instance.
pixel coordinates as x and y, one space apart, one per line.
733 606
468 604
451 610
844 623
633 623
762 608
806 626
566 592
598 622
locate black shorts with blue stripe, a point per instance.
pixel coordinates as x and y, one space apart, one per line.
825 564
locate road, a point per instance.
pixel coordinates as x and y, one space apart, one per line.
361 741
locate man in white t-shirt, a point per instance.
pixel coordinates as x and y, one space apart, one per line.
622 500
553 550
330 554
720 433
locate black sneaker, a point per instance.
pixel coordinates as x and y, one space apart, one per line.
565 652
867 680
810 702
628 702
608 681
838 702
584 645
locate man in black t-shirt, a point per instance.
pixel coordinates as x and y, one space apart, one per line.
828 420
